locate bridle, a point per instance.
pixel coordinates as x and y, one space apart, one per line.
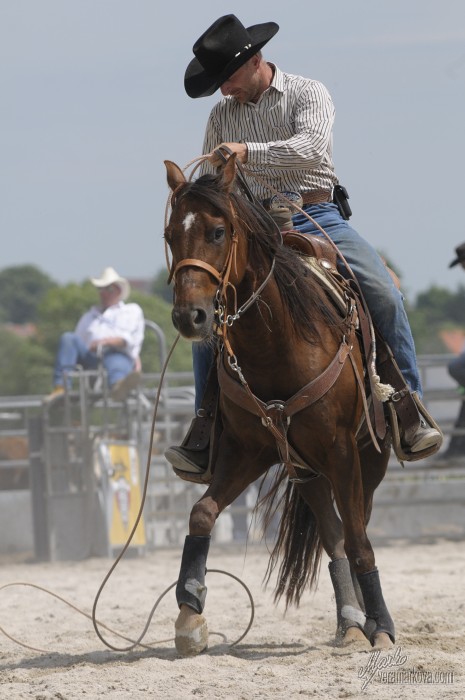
275 415
223 319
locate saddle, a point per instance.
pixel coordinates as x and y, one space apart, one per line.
404 408
386 396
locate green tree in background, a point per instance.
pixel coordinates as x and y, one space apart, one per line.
161 288
21 290
24 366
28 295
63 306
435 310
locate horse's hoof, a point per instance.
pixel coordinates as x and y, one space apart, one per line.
191 632
352 639
382 641
354 635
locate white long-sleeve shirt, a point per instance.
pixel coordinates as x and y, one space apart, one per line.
288 134
117 321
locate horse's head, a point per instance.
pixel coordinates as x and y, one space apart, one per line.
202 240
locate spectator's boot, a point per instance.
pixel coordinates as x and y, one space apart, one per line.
123 387
56 395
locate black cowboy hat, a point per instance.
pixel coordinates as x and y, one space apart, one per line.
221 50
460 250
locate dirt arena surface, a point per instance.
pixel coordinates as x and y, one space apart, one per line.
283 656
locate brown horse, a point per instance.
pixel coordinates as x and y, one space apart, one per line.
289 370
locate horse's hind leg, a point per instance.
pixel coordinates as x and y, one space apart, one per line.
352 506
350 616
349 610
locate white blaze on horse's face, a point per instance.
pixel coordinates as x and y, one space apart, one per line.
188 222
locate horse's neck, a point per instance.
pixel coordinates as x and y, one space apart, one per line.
267 345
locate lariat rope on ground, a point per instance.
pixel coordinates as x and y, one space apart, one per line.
96 623
134 643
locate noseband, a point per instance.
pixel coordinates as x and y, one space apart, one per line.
224 319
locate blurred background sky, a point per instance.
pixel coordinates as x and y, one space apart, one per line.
92 101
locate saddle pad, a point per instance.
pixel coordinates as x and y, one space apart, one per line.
328 282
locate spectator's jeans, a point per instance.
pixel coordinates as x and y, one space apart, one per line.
384 300
456 369
72 351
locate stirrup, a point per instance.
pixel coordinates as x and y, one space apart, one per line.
202 434
401 453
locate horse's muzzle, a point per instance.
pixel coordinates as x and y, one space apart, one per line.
193 323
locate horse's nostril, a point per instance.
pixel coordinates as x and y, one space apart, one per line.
175 318
198 317
191 322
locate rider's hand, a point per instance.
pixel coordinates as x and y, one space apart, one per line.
240 149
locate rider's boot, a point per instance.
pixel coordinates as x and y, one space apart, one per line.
194 452
425 437
416 435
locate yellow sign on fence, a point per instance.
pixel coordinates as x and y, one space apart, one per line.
124 495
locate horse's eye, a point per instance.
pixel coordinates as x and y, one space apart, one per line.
219 234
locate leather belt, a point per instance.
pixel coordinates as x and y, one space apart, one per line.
316 196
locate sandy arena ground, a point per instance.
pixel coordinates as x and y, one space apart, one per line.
282 656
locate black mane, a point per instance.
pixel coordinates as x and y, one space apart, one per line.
301 293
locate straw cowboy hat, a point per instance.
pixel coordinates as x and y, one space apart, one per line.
221 50
110 276
460 250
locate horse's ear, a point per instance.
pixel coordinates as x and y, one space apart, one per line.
229 172
174 174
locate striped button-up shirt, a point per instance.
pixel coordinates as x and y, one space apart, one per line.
288 134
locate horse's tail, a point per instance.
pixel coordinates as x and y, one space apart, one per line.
297 545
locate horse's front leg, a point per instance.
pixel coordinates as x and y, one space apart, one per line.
229 480
191 630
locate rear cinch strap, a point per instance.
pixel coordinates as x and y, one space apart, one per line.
191 589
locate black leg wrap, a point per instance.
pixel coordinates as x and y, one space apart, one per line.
378 617
349 613
191 589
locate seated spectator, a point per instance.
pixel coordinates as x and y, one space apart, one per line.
111 332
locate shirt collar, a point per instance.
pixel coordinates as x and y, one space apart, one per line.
98 309
278 79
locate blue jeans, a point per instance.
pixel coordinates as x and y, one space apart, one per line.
202 359
72 351
384 300
456 369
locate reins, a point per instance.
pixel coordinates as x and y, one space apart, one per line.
276 415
